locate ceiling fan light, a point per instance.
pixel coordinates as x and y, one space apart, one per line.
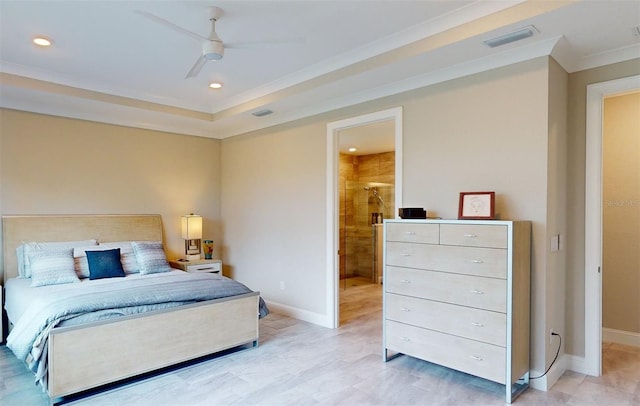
212 50
215 85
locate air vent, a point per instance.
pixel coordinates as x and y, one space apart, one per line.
514 36
262 113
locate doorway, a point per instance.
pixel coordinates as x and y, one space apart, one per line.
338 133
596 94
366 168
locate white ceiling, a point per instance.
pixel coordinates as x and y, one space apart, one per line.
110 64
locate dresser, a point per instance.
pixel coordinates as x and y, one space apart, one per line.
456 293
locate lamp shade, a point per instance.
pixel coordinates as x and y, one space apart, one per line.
191 227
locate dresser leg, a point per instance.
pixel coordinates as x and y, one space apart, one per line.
389 355
514 390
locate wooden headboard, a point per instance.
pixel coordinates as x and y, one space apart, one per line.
105 228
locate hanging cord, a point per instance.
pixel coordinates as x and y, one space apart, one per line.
554 360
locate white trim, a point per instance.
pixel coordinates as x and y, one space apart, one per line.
333 129
555 372
621 337
575 363
593 217
300 314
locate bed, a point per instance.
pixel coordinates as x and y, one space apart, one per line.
80 350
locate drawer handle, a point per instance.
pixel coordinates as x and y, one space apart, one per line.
405 338
405 281
477 324
476 357
410 232
405 255
405 309
470 235
206 268
477 292
476 261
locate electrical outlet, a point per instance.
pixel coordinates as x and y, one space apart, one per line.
281 285
551 333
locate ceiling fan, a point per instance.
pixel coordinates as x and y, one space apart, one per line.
212 46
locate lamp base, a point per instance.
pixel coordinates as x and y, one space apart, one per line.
194 257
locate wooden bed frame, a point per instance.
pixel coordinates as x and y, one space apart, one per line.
98 353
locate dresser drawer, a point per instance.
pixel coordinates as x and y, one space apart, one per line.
413 232
465 290
481 325
213 267
473 357
471 235
490 262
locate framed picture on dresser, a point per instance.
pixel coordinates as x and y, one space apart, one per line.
476 206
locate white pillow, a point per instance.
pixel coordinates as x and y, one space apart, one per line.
24 266
150 257
52 267
127 256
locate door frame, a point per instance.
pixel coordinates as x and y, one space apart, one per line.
596 94
333 208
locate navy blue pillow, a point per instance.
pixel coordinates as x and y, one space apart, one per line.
105 264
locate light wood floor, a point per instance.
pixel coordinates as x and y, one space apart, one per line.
298 363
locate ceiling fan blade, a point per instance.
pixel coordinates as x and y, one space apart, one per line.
171 25
193 72
284 42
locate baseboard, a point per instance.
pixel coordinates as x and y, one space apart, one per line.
621 337
576 363
546 382
304 315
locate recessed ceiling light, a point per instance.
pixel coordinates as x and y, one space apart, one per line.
42 41
215 85
352 149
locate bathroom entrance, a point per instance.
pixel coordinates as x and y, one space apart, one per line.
367 197
359 154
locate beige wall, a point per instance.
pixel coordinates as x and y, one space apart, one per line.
489 131
54 165
274 210
556 205
576 164
264 192
621 213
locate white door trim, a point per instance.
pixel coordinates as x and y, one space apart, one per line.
593 216
333 240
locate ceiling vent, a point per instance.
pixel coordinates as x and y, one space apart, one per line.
513 36
262 113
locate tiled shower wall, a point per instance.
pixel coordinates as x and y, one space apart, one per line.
357 204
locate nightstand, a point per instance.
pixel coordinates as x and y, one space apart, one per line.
198 265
